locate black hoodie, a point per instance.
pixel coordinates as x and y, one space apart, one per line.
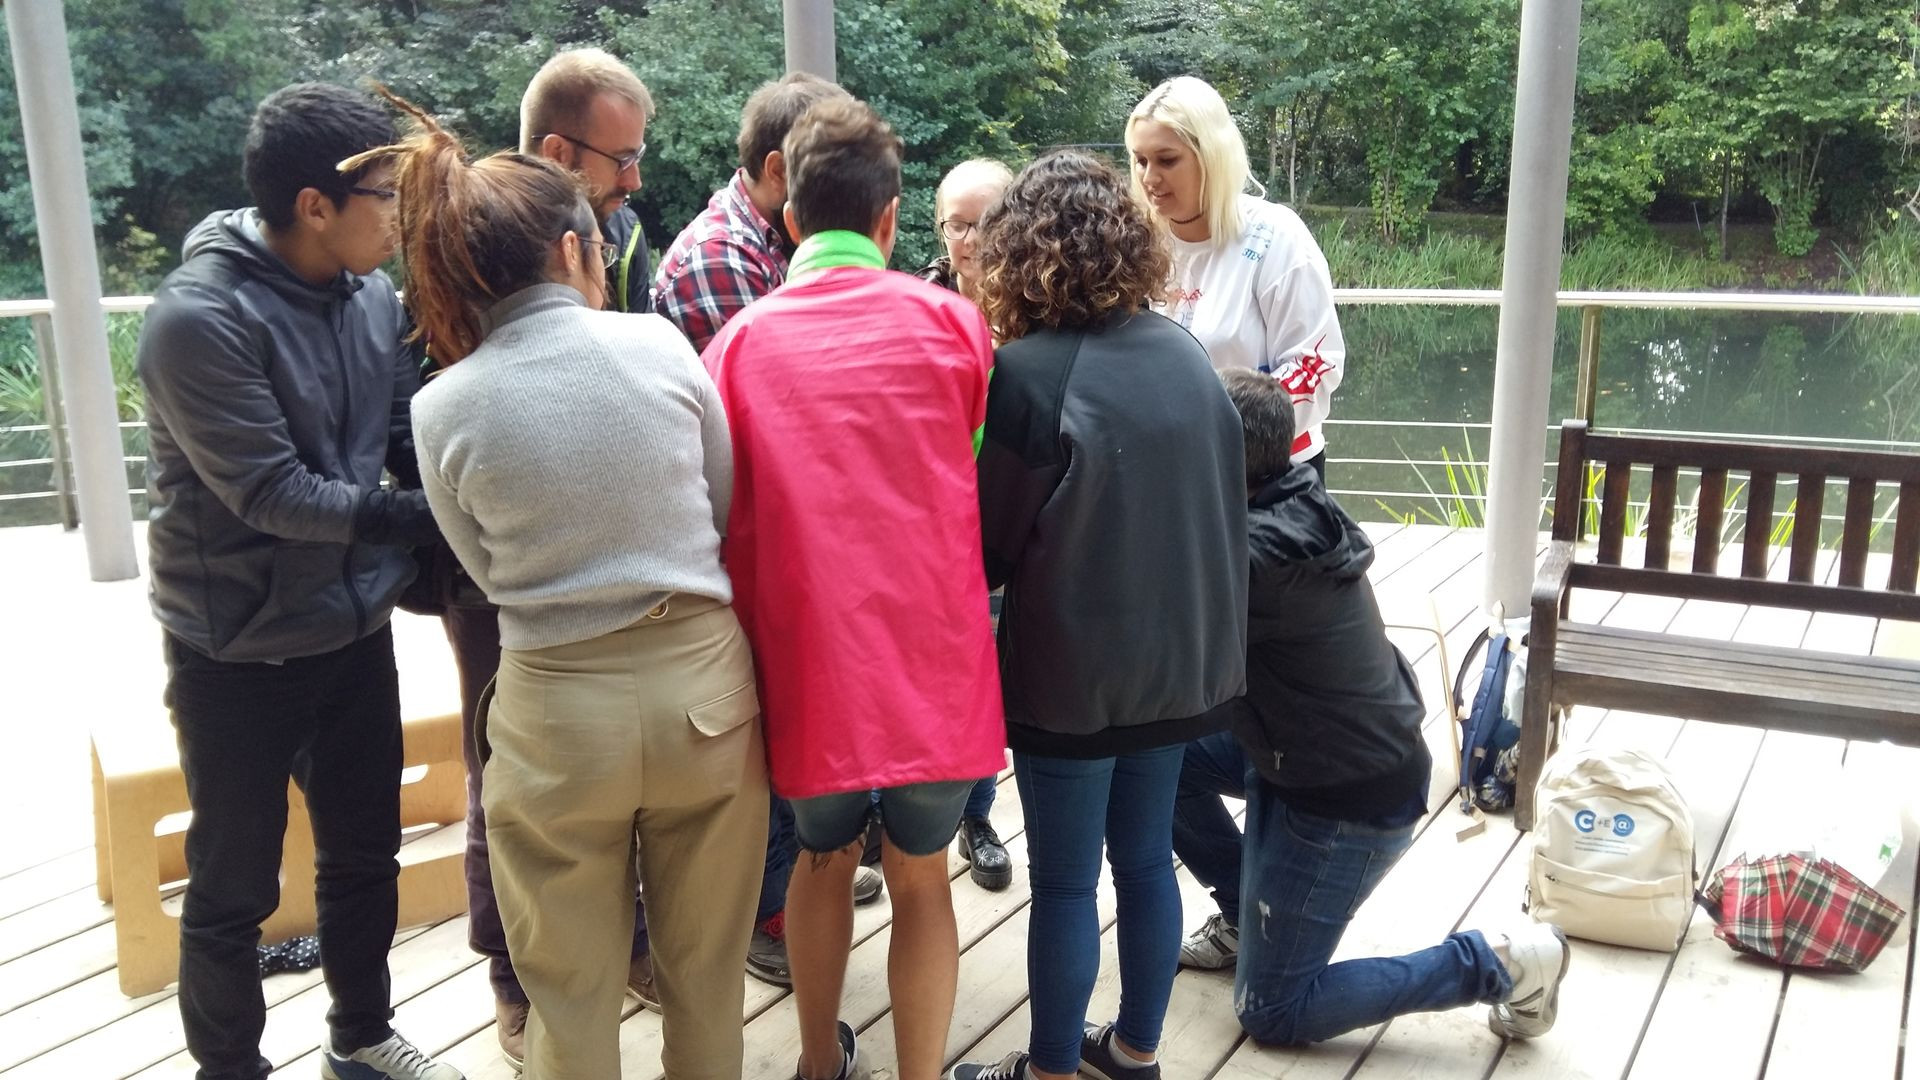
1332 713
272 407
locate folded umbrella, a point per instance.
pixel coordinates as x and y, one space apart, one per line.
1800 912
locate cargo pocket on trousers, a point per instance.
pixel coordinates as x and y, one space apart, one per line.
722 730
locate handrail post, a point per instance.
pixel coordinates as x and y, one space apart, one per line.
809 37
1587 387
69 257
1529 280
52 407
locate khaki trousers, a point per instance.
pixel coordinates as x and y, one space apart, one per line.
650 737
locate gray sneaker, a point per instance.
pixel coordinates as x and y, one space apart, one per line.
767 952
866 886
395 1059
1213 947
1537 959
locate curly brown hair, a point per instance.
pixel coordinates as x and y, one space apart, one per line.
1066 247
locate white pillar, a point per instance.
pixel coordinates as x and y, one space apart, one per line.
809 27
1530 278
50 119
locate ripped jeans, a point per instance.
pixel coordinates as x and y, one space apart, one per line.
1299 879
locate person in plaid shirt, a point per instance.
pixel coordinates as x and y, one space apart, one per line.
736 251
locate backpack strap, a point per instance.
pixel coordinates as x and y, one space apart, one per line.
626 265
1458 703
1485 715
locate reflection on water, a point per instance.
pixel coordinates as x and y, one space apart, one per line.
1826 376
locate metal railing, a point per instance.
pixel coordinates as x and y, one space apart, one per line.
1590 304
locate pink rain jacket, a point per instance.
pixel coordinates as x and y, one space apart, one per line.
854 396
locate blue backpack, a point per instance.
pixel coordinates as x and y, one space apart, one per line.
1489 738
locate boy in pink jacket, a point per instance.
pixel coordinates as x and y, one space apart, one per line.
855 394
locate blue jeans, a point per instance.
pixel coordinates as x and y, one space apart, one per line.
980 799
1306 876
783 846
1070 806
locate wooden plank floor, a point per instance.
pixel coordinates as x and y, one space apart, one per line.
1623 1013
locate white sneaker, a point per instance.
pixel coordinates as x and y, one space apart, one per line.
395 1059
1537 959
1213 947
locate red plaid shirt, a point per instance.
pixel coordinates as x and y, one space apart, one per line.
725 259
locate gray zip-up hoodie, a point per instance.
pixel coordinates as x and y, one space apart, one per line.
272 406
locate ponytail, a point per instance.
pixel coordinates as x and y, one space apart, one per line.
472 233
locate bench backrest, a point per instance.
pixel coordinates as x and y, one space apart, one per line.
1763 465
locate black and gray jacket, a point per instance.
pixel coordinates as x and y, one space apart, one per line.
1332 713
1113 506
272 407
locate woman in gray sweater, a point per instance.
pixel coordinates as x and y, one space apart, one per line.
578 462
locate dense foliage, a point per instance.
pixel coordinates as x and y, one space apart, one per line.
1801 113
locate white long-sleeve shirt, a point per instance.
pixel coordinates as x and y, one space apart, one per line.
1264 301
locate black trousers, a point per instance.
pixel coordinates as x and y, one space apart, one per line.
332 723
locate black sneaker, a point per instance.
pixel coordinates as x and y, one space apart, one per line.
1011 1067
1100 1060
982 849
850 1067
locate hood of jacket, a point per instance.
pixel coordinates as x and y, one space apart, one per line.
1295 529
236 234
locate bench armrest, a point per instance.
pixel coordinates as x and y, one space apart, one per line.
1550 582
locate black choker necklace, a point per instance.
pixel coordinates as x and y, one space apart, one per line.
1190 220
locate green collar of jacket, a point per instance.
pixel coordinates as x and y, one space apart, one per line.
835 247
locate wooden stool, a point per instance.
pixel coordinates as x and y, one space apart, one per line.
138 852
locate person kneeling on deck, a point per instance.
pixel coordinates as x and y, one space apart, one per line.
1328 754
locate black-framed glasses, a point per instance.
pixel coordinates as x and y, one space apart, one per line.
383 194
621 163
956 229
609 254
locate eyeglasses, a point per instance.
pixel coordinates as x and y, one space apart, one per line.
956 229
620 163
383 194
609 254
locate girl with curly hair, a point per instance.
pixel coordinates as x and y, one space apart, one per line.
1123 636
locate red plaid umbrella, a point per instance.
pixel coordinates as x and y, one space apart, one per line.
1800 913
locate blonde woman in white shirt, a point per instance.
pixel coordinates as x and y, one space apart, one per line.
1248 279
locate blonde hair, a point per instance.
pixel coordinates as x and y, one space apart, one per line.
472 232
1195 111
973 172
563 89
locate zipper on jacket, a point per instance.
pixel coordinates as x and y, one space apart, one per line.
346 415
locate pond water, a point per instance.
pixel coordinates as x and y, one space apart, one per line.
1419 388
1853 377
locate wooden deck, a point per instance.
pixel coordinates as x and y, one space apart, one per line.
76 652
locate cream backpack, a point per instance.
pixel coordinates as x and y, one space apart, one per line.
1612 849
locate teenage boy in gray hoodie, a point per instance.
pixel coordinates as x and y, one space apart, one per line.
1327 751
277 390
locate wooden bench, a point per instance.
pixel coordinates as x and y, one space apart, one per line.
1569 663
139 811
